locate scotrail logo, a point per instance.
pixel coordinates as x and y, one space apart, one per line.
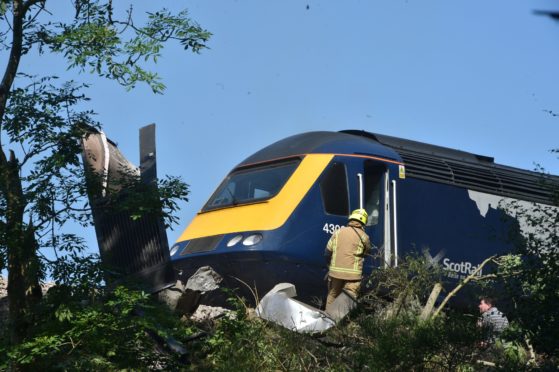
460 267
455 269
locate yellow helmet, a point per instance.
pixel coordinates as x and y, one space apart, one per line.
360 215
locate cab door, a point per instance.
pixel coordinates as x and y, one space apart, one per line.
369 190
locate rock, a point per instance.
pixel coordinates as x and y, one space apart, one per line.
204 312
171 296
205 279
188 302
184 299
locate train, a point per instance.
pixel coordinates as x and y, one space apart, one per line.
270 219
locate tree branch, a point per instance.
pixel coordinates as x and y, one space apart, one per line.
8 23
29 3
462 284
431 301
15 56
41 9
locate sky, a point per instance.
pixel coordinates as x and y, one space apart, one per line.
479 76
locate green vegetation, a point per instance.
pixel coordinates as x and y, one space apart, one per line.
118 330
42 185
124 329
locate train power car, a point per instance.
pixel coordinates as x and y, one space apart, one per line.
271 217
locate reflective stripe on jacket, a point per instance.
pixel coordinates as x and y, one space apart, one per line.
349 245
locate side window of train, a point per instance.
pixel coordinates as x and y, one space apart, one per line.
334 191
373 185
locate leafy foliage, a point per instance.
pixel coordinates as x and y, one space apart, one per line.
42 121
373 338
139 199
401 287
105 38
531 276
119 330
42 184
243 343
406 343
97 330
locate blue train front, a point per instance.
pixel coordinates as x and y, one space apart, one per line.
269 220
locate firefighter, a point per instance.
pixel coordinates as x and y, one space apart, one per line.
344 253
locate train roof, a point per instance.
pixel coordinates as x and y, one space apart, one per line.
465 169
423 161
321 143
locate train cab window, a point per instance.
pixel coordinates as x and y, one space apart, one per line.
253 184
333 188
372 185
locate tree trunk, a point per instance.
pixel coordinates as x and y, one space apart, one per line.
23 265
19 10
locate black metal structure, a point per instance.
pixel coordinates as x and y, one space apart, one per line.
132 251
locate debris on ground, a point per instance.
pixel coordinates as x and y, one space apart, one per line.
185 298
205 312
279 307
205 279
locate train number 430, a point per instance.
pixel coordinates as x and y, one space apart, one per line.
329 228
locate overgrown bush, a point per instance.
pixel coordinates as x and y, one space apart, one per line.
400 288
531 276
243 343
125 329
120 330
409 344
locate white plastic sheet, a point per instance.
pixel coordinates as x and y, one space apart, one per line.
277 306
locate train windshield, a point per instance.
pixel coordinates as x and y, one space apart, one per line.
253 184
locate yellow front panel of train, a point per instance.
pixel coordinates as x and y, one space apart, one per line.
267 215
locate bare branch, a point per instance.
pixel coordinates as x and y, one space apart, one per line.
29 3
431 301
53 234
110 11
461 285
45 257
41 9
29 155
8 22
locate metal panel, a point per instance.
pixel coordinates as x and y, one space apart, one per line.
131 250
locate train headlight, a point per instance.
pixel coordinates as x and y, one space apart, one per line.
174 249
252 240
234 240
